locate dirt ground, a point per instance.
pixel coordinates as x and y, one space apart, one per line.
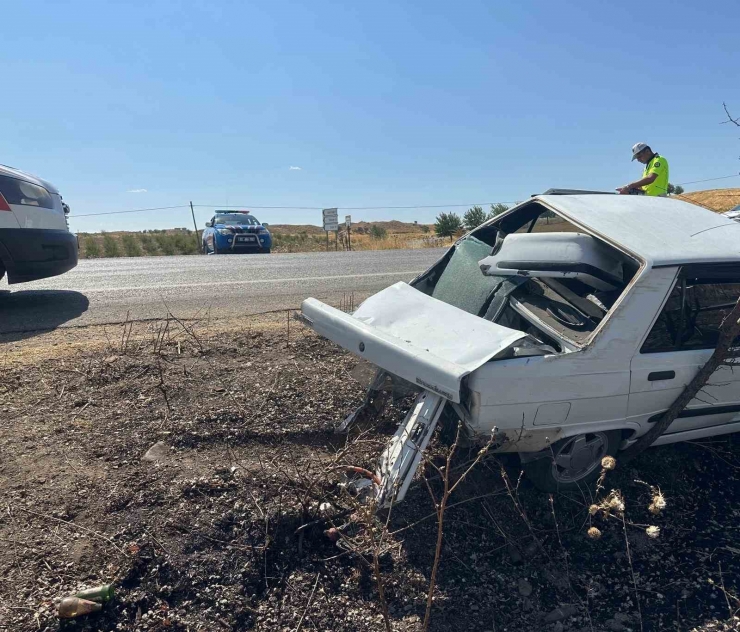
225 528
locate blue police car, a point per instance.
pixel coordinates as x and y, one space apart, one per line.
235 232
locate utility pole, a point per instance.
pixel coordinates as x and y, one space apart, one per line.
195 226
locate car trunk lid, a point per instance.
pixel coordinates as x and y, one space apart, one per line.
413 336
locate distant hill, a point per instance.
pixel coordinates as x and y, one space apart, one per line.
718 200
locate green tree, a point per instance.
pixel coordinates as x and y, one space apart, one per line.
91 247
131 245
497 209
676 189
447 224
378 232
110 246
474 217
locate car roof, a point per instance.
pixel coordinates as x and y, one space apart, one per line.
661 231
5 170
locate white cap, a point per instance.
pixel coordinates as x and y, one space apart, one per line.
637 148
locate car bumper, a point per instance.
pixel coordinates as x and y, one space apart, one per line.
262 243
29 254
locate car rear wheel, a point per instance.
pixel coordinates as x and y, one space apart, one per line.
574 462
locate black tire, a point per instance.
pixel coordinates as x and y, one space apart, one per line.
265 251
215 247
550 474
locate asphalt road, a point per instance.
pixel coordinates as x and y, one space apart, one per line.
110 290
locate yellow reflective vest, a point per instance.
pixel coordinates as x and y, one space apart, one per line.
659 165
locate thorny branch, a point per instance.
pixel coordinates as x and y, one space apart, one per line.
734 121
441 507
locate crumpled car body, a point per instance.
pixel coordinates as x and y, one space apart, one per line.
733 213
560 330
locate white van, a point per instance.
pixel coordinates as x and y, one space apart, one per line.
35 241
569 324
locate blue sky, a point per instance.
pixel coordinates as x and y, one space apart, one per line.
378 104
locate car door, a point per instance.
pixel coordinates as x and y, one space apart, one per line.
680 342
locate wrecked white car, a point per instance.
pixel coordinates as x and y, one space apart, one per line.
564 327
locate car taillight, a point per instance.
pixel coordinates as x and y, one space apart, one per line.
4 204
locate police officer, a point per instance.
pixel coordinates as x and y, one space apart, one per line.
654 176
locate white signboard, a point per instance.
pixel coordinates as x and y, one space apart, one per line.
331 219
348 220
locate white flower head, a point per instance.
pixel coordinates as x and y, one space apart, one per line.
652 531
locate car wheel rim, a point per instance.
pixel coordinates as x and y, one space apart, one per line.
579 456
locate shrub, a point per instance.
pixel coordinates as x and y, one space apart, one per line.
166 245
110 246
131 245
184 243
148 244
378 232
91 247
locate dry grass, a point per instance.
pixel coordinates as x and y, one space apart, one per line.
391 235
395 241
717 200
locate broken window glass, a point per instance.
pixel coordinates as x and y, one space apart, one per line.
693 314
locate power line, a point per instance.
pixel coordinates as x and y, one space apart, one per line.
380 208
290 208
136 210
734 175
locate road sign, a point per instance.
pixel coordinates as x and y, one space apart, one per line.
348 221
331 219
